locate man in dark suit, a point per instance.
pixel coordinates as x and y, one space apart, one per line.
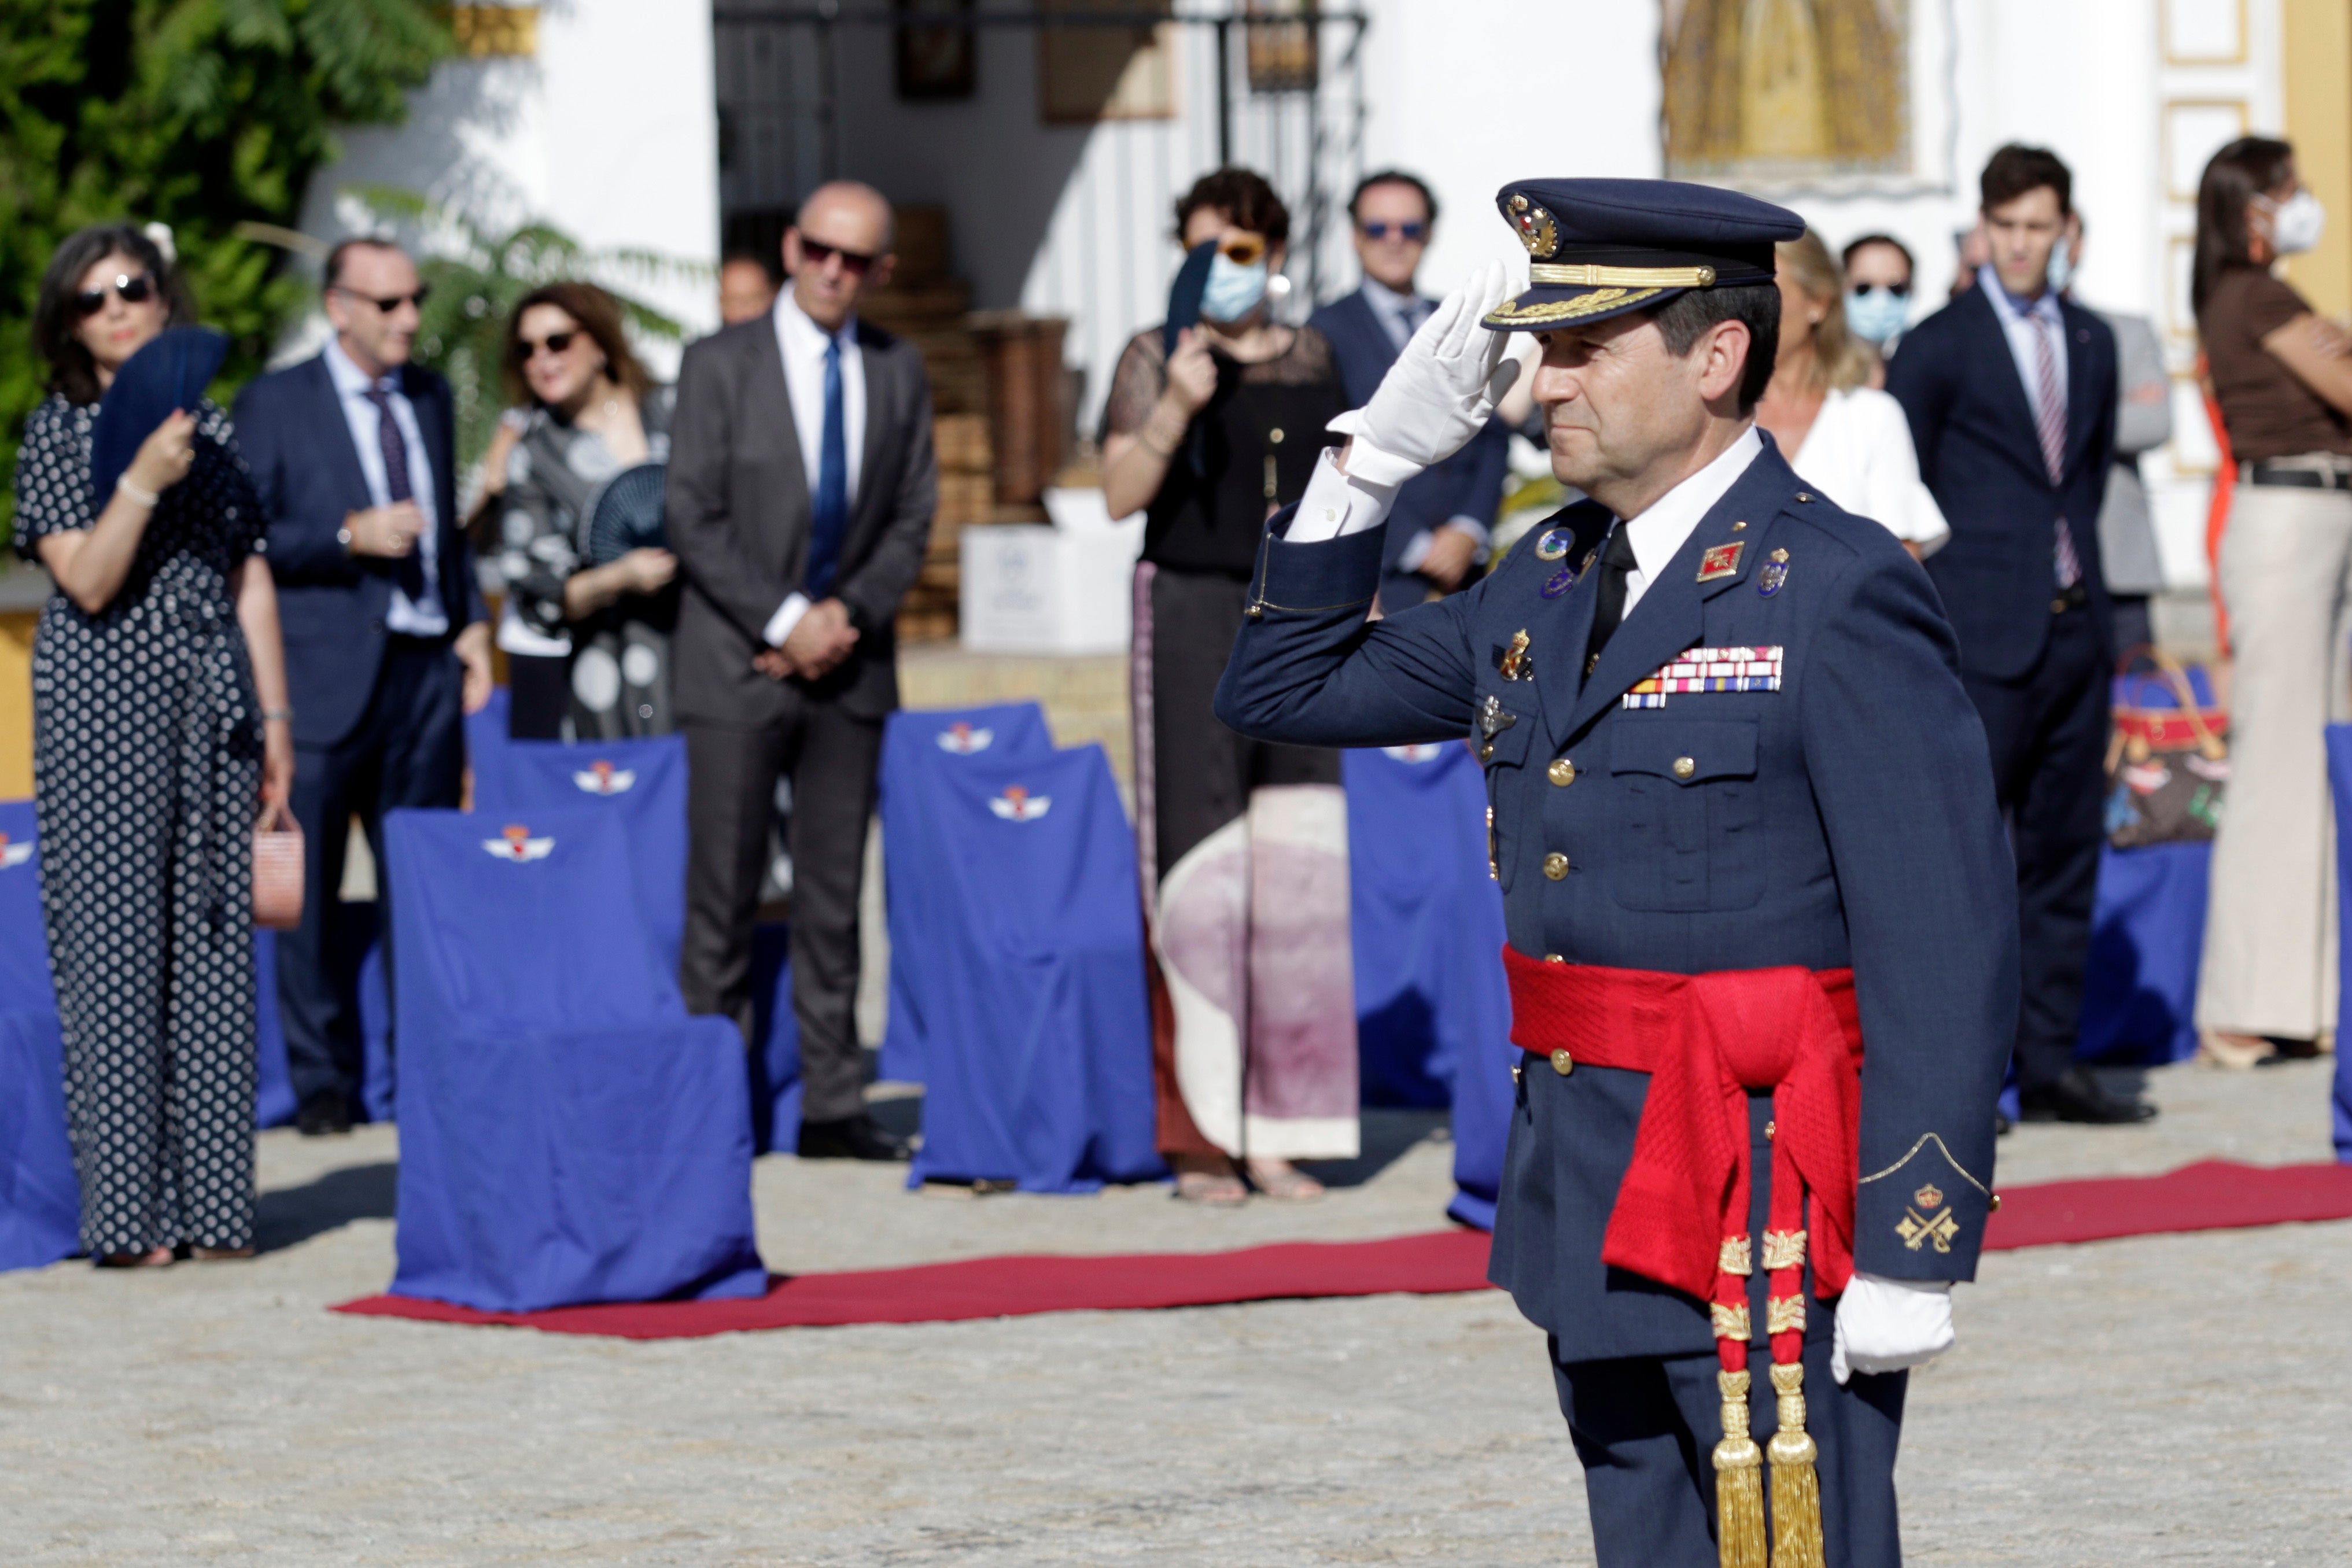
1437 531
387 642
802 484
1762 936
2010 392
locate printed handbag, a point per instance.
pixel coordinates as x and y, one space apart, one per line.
2167 762
277 870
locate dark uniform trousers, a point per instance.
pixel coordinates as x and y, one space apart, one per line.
831 757
1816 793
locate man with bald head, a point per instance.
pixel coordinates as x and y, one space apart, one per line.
802 484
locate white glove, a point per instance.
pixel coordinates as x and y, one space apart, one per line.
1441 389
1886 1325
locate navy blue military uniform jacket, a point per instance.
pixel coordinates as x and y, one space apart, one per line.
1845 819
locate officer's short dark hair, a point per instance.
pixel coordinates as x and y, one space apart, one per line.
1395 177
343 248
1757 306
2015 170
1243 196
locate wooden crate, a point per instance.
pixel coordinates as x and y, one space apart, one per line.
1022 354
962 443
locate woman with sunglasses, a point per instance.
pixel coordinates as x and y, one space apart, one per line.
587 646
1243 844
1877 295
160 724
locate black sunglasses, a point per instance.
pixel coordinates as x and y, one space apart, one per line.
854 263
528 349
423 292
1404 231
1900 290
136 289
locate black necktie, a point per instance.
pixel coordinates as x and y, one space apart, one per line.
408 572
1617 560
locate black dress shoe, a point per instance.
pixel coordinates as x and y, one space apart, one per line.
2078 1097
850 1138
323 1115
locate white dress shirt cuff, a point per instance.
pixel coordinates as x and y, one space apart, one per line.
787 616
1338 504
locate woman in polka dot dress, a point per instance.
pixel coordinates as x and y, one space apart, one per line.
159 728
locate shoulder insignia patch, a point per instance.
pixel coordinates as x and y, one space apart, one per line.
1553 545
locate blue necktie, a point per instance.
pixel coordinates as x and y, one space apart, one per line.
830 514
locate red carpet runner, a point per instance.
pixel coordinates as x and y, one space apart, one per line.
2214 1195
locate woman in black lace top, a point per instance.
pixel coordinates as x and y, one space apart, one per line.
1243 844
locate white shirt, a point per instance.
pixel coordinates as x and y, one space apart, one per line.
1336 505
1859 454
414 617
803 342
2018 323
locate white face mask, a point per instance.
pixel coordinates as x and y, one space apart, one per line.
2296 222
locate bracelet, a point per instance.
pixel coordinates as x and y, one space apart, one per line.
147 498
278 714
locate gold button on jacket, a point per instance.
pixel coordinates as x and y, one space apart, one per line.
1684 766
1562 1063
1562 771
1555 865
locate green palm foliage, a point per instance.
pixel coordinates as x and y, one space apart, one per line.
196 113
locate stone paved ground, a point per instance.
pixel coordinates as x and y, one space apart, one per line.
2159 1400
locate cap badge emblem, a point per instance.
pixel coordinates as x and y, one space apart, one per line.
1537 230
1721 560
1553 545
963 739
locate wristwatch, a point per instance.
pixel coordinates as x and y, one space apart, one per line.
343 538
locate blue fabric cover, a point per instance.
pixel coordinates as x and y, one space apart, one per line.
1433 1009
487 742
912 850
2147 937
642 782
1031 977
2339 778
273 1099
568 1133
776 1065
40 1197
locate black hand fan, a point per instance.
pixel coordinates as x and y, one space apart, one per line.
623 514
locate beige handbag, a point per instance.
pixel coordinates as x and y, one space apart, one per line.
277 870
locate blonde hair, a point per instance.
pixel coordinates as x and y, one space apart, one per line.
1842 361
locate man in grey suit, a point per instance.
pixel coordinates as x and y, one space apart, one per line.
802 484
2128 552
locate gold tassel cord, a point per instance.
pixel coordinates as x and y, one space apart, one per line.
1796 1488
1738 1480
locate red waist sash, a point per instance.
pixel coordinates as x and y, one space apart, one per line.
1680 1217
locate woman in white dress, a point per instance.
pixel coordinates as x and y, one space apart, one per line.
1842 437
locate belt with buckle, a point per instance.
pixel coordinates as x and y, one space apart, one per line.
2299 477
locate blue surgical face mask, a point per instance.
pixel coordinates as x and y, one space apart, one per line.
1233 291
2062 267
1876 316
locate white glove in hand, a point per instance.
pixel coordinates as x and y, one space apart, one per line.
1441 390
1886 1325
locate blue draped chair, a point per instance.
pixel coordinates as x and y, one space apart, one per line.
1026 958
40 1197
913 847
568 1133
1432 1009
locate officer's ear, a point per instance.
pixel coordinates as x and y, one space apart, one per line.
1723 350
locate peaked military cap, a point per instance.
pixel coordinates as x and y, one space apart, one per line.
1598 248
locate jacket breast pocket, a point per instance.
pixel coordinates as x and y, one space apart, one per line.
1689 814
1504 755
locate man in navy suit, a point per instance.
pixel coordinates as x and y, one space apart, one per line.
387 642
2010 392
1437 530
1762 929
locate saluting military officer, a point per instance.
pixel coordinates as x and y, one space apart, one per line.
1763 928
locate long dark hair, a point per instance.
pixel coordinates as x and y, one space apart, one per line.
599 316
2250 166
71 371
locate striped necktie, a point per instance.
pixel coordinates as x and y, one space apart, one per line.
2050 424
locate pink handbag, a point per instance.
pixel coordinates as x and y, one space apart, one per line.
277 870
